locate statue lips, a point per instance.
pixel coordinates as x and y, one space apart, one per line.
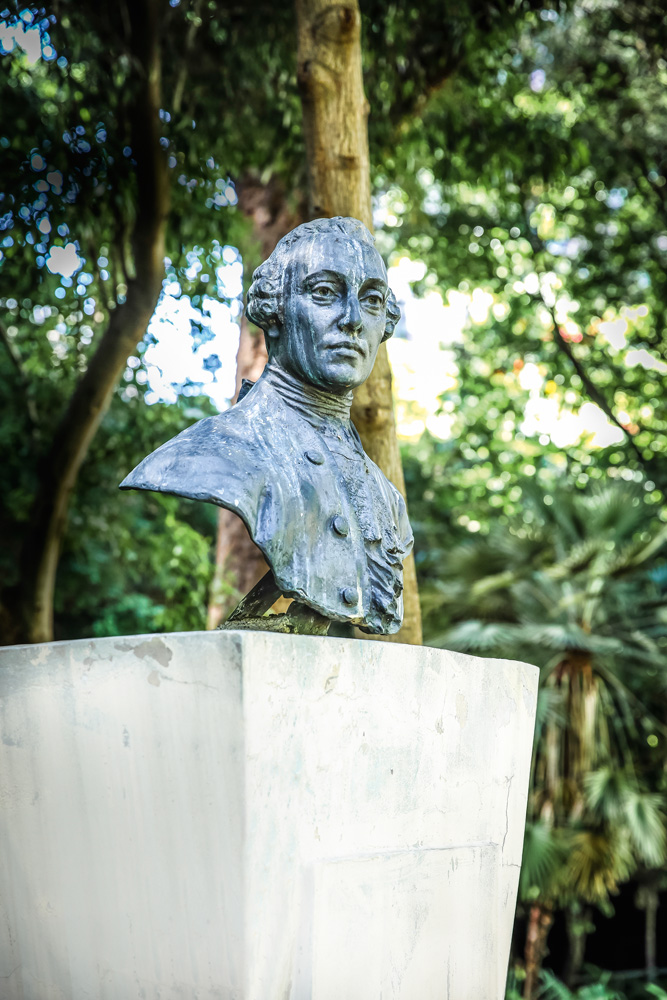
350 346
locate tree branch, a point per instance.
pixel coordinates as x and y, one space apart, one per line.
181 79
565 347
17 361
591 389
126 326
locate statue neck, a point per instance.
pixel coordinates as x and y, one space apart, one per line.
306 398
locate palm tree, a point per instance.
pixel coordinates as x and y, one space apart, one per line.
574 591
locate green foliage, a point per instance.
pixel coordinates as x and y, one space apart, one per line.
612 798
546 191
602 989
69 182
553 989
133 563
68 186
561 575
545 851
579 590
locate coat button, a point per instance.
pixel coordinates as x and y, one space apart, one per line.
340 525
349 595
316 457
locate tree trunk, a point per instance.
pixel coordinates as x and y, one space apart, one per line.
239 564
126 327
335 113
652 901
540 919
578 924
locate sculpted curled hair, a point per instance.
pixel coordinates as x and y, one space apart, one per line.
265 297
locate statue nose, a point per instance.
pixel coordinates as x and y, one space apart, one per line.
351 319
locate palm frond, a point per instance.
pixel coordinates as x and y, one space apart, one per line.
645 818
578 558
543 855
606 791
475 635
651 548
551 707
566 636
553 989
598 860
499 581
616 511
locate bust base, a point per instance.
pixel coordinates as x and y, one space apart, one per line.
256 816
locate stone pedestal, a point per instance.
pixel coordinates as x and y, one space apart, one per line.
252 816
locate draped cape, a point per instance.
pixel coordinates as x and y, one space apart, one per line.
265 462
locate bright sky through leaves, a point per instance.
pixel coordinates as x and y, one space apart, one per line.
422 361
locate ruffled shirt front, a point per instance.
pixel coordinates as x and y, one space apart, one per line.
329 414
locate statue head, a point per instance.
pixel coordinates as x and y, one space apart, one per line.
324 304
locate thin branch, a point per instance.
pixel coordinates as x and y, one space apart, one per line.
659 189
120 247
591 389
93 257
17 361
179 89
564 345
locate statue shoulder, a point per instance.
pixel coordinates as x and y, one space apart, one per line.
219 459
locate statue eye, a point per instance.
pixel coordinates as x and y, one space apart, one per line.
323 292
373 299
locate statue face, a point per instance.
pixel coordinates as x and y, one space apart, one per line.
335 296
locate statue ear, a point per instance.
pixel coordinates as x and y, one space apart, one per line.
273 330
393 315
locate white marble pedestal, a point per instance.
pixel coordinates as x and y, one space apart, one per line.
249 816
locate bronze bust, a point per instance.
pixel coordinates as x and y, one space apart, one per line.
286 457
